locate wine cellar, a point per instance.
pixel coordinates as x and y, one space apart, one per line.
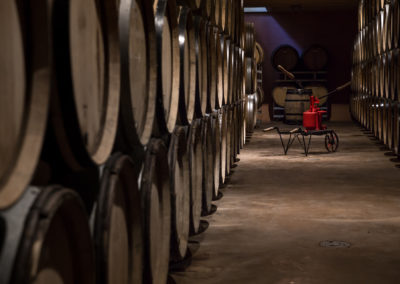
199 141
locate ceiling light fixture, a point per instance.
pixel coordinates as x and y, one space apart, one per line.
255 10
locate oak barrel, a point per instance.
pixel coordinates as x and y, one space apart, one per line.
250 42
178 160
279 95
207 10
286 56
139 72
218 13
229 138
251 75
48 239
225 46
251 112
259 53
87 80
315 58
208 164
224 133
201 66
25 91
223 17
167 34
187 47
192 4
212 69
396 125
216 136
219 62
390 125
394 82
156 204
227 7
117 230
296 103
195 145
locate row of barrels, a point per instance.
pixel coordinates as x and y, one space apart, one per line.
119 121
379 35
368 10
375 76
378 77
254 93
315 58
380 116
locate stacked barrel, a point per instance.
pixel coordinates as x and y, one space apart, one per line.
119 123
253 54
375 75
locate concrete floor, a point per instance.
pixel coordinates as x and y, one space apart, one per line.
277 210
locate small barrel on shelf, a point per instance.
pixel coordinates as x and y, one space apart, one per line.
279 94
286 56
296 103
258 53
315 58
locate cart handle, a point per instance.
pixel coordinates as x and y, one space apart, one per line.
337 90
294 130
290 75
270 129
344 86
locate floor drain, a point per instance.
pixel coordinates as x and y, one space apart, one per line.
334 244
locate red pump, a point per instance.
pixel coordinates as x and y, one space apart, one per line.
312 119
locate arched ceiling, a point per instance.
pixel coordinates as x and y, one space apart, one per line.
303 5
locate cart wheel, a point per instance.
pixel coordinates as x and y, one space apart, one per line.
332 142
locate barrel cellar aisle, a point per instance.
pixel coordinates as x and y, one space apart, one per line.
126 125
283 219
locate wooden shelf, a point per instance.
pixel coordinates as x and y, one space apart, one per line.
304 77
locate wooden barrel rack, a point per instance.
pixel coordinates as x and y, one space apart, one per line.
375 75
124 120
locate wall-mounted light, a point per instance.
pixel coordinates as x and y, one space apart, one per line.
255 10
